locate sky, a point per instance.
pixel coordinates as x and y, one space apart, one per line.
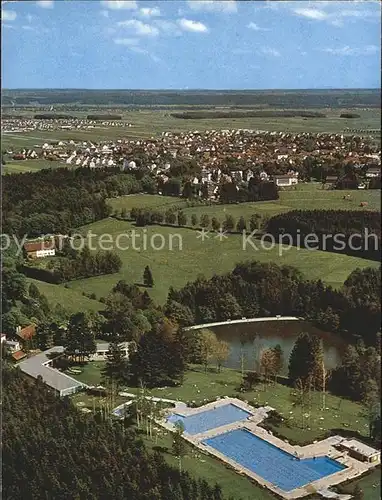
192 44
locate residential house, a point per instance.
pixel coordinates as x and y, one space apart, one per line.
285 180
12 345
103 350
372 172
39 249
26 333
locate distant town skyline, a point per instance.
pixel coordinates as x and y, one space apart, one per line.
191 45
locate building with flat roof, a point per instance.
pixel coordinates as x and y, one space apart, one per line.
40 366
361 451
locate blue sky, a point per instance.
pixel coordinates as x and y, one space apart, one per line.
190 44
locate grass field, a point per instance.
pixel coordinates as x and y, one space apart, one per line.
18 167
306 196
153 201
148 123
176 267
71 300
370 484
199 387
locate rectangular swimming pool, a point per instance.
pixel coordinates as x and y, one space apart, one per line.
209 419
271 463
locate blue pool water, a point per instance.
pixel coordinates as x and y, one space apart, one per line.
274 465
209 419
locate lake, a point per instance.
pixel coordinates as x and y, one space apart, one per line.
249 339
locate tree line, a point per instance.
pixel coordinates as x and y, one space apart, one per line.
201 115
174 216
335 230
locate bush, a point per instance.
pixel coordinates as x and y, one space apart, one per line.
349 115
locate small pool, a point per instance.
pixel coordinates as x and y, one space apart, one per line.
274 465
209 419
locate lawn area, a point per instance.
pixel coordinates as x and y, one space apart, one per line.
73 301
178 266
200 387
18 167
370 484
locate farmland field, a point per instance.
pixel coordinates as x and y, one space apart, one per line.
148 123
73 301
307 196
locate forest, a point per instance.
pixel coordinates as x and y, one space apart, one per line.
336 230
80 456
60 199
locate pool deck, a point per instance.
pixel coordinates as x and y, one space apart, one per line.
325 447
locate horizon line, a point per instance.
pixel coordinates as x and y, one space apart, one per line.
188 89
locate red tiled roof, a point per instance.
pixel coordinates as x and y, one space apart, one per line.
39 245
27 332
18 355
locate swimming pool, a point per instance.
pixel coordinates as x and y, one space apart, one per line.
209 419
274 465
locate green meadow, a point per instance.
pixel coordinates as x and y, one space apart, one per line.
184 257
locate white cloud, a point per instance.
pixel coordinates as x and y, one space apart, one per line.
45 4
132 45
9 26
104 13
119 4
29 18
149 12
8 15
268 51
130 42
255 27
337 16
194 26
167 27
139 28
318 15
213 5
352 51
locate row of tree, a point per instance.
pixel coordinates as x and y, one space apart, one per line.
146 217
352 232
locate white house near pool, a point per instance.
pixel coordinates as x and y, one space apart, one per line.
40 365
